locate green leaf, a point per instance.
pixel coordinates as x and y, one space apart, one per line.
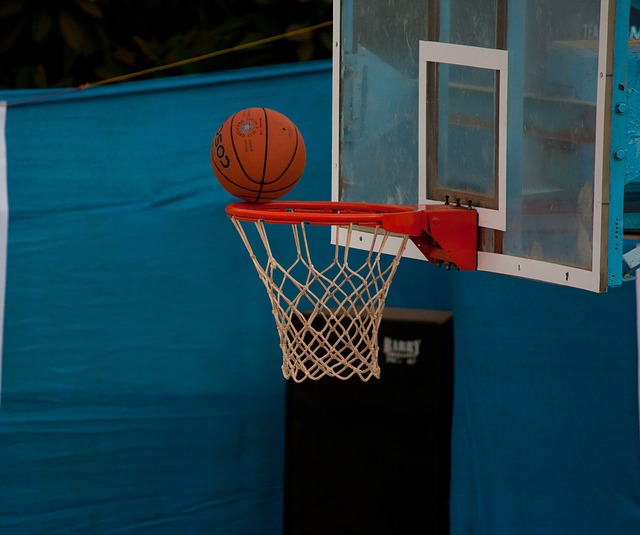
24 77
42 25
125 56
148 49
11 7
9 35
90 8
326 38
40 76
72 32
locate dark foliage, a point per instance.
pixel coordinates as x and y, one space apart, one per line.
67 43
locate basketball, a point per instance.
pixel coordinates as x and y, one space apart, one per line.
258 155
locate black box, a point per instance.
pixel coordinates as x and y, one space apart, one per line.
374 457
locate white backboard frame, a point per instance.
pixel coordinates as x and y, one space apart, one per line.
481 58
594 279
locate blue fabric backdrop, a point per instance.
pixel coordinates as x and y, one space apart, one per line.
545 432
141 384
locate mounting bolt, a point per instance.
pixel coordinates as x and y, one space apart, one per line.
621 108
619 154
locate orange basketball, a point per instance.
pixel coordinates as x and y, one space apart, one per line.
258 155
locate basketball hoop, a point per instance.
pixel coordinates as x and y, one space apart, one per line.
328 317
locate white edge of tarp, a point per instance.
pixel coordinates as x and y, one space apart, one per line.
4 224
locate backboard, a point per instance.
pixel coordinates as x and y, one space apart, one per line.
517 109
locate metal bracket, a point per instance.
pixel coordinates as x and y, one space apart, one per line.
630 263
446 235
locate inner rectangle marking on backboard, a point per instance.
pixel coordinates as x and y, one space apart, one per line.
461 174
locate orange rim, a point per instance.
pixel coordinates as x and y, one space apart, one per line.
315 212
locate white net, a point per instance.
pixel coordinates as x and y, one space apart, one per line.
327 318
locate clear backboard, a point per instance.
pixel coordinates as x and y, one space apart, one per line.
517 109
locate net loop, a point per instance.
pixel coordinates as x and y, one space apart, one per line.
327 317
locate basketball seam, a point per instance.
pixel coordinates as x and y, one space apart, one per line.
266 152
235 151
222 174
293 157
237 185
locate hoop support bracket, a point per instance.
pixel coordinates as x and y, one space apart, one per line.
445 235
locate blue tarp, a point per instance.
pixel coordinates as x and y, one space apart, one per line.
141 369
141 382
545 430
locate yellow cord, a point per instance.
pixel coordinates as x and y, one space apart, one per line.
206 56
